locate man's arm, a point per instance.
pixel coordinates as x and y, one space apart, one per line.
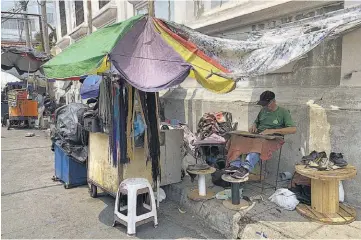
254 126
282 131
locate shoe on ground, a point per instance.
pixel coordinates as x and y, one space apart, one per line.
241 173
337 159
231 169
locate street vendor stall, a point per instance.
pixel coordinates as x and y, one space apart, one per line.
137 72
143 55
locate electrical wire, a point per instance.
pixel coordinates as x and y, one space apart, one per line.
6 18
15 11
40 3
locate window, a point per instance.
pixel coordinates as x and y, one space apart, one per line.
163 9
103 3
31 25
218 3
63 26
79 12
10 24
50 17
141 10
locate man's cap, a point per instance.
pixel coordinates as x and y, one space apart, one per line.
265 98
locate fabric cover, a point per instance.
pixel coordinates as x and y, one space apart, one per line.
146 61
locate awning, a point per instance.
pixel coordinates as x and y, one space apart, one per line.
23 59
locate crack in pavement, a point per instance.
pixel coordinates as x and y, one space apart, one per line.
28 190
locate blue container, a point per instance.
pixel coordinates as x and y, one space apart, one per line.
70 171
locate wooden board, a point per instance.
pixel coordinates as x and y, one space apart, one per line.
138 167
340 174
344 215
202 172
171 156
254 135
324 195
100 167
194 195
103 173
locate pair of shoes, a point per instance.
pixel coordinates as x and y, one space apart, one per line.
320 163
337 159
317 160
237 172
313 156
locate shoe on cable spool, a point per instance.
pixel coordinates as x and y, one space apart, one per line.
312 156
231 169
321 164
241 173
337 159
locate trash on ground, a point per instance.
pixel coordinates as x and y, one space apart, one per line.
284 198
181 211
162 195
30 135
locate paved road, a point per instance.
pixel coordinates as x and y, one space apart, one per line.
33 206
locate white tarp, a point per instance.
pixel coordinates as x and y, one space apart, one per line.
264 52
6 78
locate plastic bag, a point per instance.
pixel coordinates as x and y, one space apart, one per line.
341 192
162 195
284 198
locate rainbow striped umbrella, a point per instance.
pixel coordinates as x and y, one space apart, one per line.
145 51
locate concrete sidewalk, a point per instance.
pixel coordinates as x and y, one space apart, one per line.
33 206
264 217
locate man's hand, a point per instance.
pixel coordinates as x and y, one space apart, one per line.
268 132
253 128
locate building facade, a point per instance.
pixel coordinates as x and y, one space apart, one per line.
12 26
322 89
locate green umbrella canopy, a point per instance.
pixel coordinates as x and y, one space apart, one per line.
86 55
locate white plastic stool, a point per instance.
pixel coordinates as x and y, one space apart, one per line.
132 187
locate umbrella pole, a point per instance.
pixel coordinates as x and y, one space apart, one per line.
151 10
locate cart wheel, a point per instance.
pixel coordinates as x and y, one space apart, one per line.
93 191
66 186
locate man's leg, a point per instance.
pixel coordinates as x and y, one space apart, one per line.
37 121
251 160
41 118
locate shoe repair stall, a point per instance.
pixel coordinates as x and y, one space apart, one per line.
143 55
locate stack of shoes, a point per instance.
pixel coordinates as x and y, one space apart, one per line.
237 172
320 161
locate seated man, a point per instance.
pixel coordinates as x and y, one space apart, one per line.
271 120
